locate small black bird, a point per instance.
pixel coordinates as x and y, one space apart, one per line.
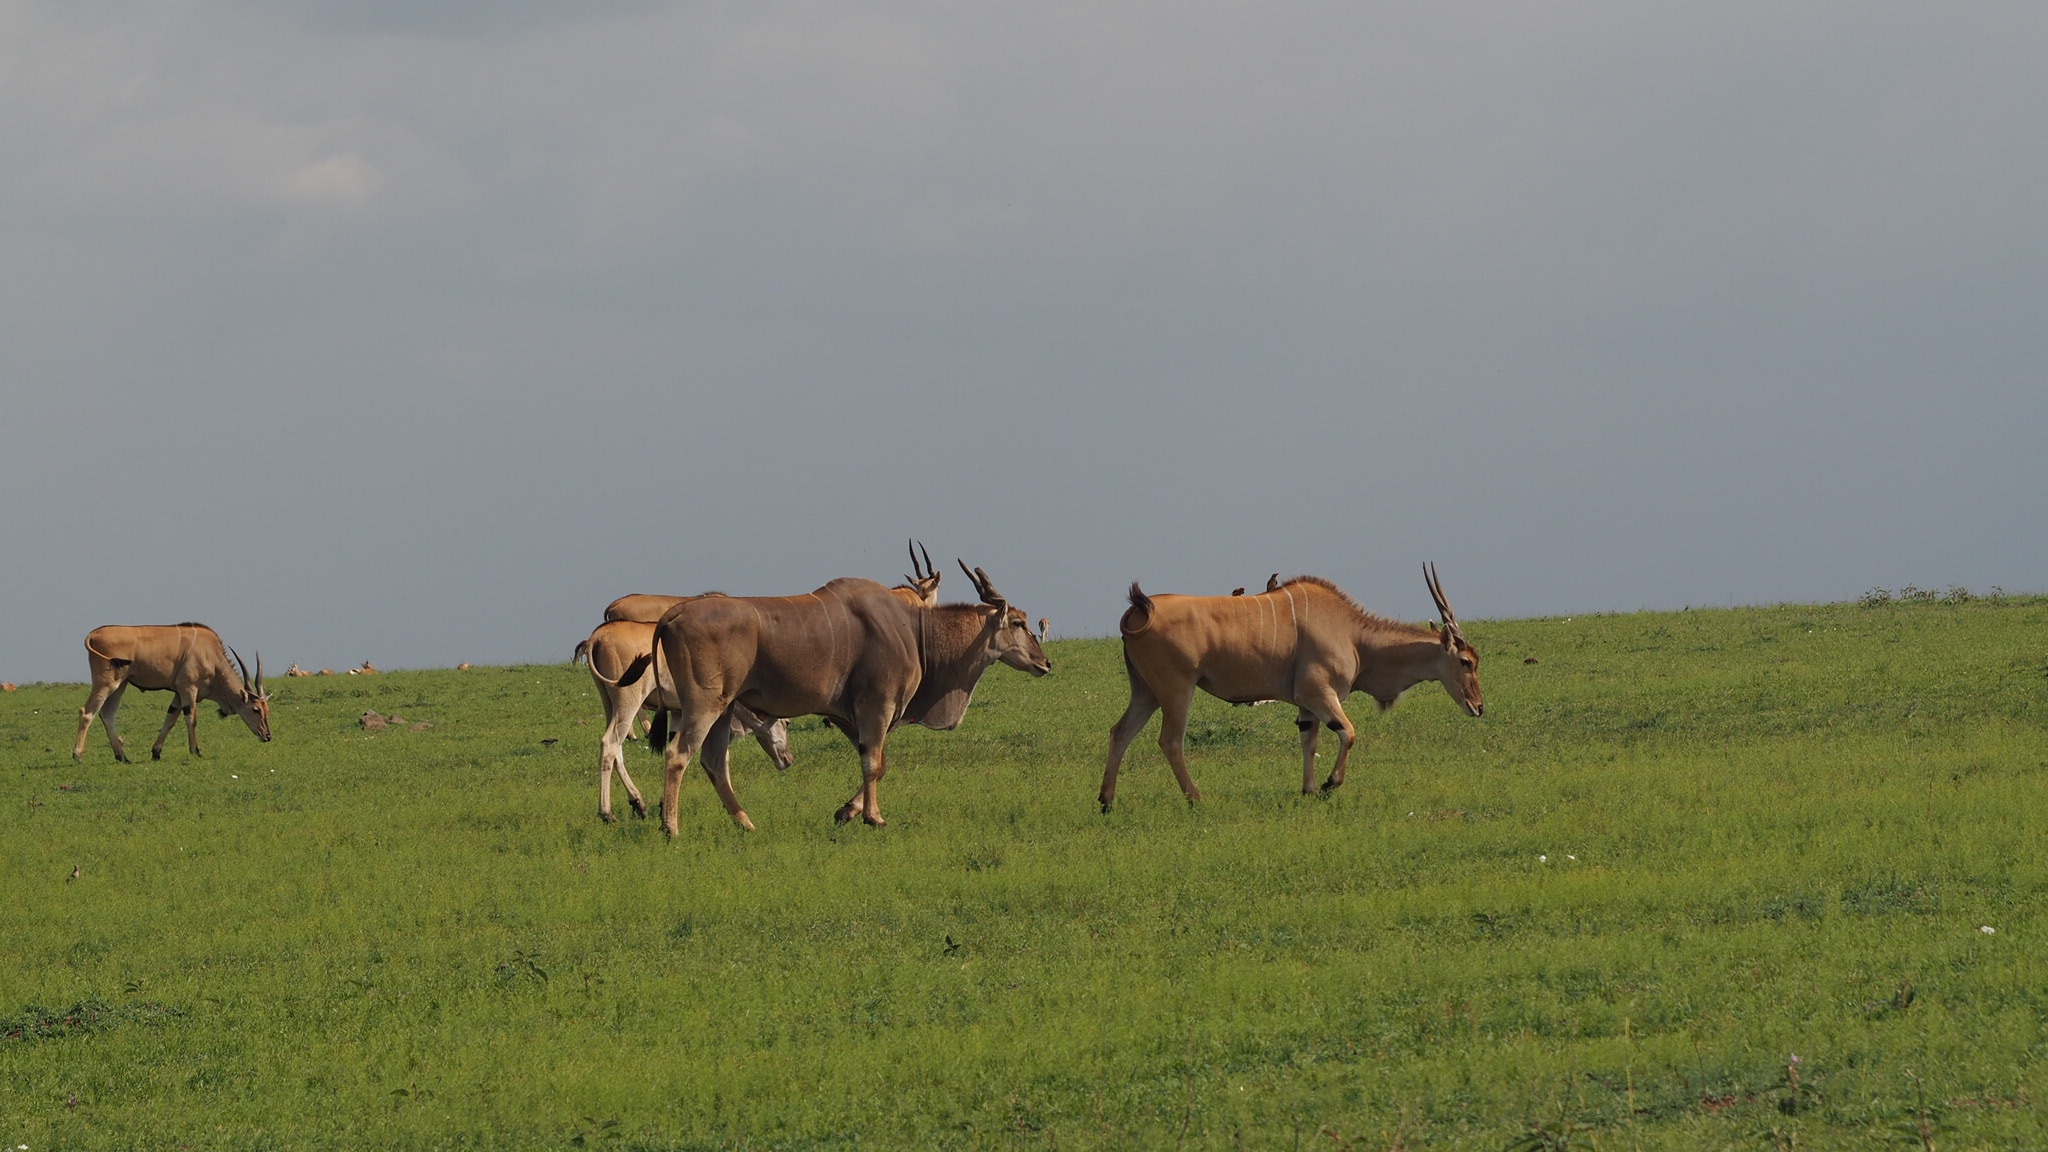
1273 582
952 945
1237 591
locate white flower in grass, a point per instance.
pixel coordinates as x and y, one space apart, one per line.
1988 930
1542 859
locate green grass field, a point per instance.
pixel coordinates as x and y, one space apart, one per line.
1680 850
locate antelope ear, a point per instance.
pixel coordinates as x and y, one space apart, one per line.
1449 638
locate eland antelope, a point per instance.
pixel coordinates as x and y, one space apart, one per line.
187 660
851 652
920 588
1304 641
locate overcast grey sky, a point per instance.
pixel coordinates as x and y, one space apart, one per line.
417 332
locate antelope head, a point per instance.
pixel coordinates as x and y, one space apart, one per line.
253 706
1013 643
925 579
1457 662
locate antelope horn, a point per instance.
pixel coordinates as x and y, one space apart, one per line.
246 681
982 585
259 671
916 572
930 569
988 590
1436 591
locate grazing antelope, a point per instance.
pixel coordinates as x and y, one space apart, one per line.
851 652
9 687
621 664
1305 642
187 660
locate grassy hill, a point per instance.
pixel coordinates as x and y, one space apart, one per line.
1737 878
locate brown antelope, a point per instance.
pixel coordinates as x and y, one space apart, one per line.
1305 642
851 652
1044 629
295 670
187 660
621 659
921 588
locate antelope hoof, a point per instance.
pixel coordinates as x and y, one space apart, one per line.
606 817
1106 805
740 818
874 821
156 753
1331 785
844 814
639 809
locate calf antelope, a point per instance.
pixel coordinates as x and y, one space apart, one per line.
1305 642
187 660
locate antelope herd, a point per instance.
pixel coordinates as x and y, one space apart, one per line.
869 659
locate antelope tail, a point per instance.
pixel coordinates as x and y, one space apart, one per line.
657 731
629 676
1139 616
112 661
654 657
